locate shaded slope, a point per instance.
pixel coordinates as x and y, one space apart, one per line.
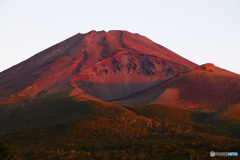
203 86
53 110
227 115
125 73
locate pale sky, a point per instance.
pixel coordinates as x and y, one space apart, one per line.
203 31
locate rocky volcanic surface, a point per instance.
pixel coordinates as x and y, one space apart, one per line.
105 65
202 86
120 67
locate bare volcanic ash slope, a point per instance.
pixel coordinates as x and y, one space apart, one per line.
106 65
202 86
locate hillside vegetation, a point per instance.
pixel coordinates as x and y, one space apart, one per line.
61 127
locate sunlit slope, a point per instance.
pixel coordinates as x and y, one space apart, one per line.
98 63
203 86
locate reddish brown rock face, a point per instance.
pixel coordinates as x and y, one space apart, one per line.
107 65
202 86
119 65
125 73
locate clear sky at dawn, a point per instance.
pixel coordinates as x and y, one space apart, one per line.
203 31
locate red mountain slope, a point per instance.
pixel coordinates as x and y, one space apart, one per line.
125 73
203 86
107 65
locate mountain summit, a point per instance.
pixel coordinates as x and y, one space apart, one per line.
117 95
104 65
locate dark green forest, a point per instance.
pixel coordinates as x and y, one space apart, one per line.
61 127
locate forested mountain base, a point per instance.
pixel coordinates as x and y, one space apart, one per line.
61 127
